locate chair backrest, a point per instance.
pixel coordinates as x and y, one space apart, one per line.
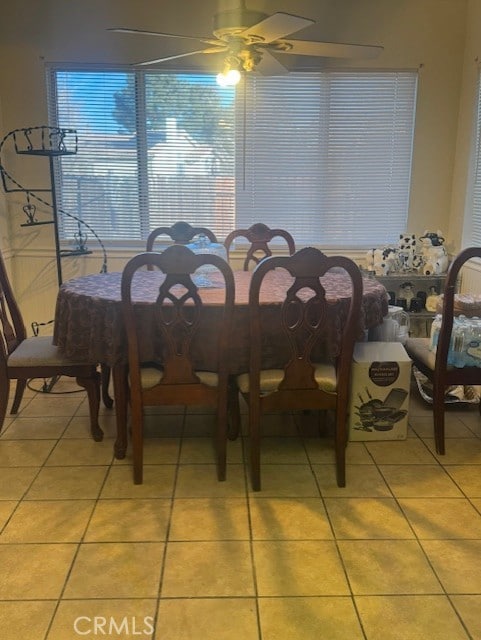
451 283
305 312
12 329
178 309
259 235
180 232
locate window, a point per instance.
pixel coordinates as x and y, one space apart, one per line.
326 155
474 219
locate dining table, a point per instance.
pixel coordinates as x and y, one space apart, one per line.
88 323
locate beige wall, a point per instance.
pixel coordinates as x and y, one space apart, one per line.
425 34
464 164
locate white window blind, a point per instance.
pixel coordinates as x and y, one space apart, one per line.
325 155
475 233
153 148
329 154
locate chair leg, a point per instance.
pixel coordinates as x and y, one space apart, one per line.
19 390
105 381
137 441
340 446
221 440
121 395
255 445
233 411
438 418
4 391
327 424
92 386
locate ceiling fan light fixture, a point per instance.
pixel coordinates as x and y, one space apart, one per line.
231 73
229 79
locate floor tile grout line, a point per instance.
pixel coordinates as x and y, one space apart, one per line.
393 496
416 537
248 498
163 563
40 467
79 546
335 538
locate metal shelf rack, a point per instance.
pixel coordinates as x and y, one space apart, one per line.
51 143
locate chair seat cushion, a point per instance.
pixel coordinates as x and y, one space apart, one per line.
324 374
151 376
467 304
419 349
39 352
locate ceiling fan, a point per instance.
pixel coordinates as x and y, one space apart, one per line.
247 39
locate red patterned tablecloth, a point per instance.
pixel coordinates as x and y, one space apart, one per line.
88 318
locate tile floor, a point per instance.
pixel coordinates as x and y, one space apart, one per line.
85 553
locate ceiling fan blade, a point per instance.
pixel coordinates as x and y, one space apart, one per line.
332 49
270 66
163 35
181 55
276 26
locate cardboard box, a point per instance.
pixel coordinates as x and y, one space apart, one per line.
380 383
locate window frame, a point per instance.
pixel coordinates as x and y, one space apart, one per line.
53 68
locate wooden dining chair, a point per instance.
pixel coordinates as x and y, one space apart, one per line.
434 364
259 235
23 358
174 379
305 381
180 232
